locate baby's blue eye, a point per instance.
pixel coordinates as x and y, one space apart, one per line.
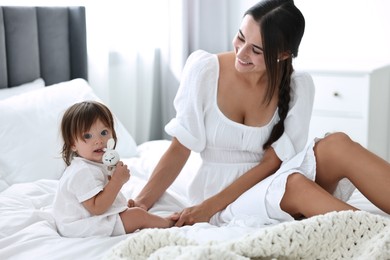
87 136
104 132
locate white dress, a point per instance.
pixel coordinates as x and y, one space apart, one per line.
229 149
82 180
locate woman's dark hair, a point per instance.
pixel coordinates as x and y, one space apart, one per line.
78 119
281 26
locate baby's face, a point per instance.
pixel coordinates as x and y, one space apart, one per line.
91 146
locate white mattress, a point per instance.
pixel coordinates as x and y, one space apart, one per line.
27 228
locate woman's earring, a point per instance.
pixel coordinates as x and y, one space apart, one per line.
278 60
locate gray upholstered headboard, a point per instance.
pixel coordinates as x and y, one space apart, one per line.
42 42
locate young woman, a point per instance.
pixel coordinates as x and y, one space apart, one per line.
88 201
248 113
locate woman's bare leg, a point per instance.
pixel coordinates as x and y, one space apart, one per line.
338 157
305 197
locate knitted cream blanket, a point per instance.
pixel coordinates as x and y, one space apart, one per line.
336 235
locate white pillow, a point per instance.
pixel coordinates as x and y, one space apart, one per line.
26 87
29 132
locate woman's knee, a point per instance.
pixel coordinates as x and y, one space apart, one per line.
296 187
296 182
335 141
333 146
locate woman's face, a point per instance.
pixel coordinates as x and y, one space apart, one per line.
248 47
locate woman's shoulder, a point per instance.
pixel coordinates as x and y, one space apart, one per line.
201 58
201 54
302 86
201 65
302 79
301 76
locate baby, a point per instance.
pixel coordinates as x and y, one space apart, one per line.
89 201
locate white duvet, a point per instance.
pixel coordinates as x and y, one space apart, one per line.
30 166
28 231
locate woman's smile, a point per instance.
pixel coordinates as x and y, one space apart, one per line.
244 62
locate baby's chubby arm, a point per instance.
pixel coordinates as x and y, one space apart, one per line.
100 203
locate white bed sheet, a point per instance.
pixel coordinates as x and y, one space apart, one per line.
27 228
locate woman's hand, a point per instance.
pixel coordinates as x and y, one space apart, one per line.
192 215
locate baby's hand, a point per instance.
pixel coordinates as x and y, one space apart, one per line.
121 173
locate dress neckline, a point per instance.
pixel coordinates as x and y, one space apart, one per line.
222 115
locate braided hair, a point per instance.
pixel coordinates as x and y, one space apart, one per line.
281 26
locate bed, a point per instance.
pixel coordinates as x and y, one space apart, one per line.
43 69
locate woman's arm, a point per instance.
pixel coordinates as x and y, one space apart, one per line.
204 211
166 171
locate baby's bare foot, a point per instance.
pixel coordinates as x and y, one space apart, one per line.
170 222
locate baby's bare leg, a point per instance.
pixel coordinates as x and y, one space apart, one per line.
138 218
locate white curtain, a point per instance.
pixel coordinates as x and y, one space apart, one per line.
137 50
132 63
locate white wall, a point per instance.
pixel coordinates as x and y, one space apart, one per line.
346 30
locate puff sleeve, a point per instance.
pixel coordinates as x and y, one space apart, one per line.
188 126
297 122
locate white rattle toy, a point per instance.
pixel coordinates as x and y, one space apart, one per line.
110 156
